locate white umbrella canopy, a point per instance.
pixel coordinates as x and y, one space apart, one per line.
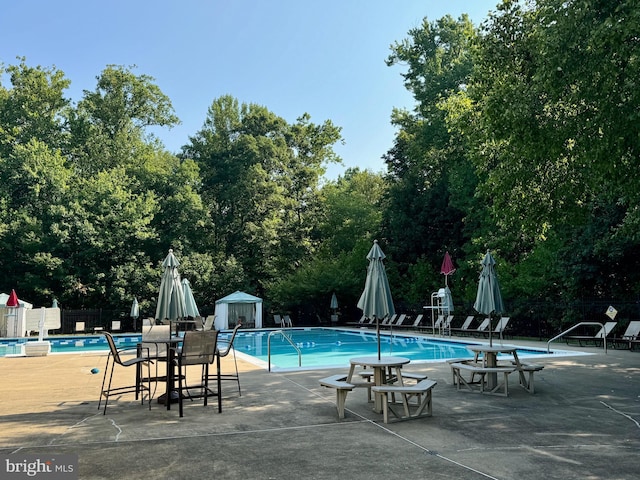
191 309
334 301
488 298
171 305
135 308
376 301
135 312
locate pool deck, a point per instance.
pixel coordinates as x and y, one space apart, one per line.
583 422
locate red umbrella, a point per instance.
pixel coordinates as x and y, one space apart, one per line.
12 301
447 267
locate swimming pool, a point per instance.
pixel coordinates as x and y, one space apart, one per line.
326 347
70 344
319 347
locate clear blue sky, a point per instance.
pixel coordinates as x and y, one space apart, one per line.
323 57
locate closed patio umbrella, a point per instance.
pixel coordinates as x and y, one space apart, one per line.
334 301
135 312
191 309
376 301
447 267
488 298
171 304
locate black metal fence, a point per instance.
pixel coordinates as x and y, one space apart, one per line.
89 321
536 320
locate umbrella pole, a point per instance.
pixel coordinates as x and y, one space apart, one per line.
378 333
490 332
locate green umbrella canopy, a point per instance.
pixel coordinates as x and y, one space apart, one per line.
191 309
171 305
488 298
376 301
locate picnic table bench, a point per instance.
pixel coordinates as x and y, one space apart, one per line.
530 368
341 386
501 388
421 390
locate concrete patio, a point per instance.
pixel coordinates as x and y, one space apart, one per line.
582 423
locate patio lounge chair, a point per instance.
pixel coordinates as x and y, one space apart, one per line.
464 329
208 322
598 338
415 325
359 323
394 324
400 320
482 327
286 321
499 328
386 321
436 325
628 337
446 325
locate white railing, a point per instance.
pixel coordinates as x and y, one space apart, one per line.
604 338
288 339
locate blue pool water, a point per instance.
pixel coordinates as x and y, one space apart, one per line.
319 347
325 347
70 344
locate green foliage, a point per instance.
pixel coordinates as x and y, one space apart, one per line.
259 181
350 222
524 140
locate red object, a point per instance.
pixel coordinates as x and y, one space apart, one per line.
447 265
12 301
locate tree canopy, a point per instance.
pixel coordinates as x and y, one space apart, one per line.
524 140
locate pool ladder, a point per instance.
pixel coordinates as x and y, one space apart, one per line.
604 339
288 339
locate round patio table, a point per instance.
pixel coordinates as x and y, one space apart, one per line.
380 366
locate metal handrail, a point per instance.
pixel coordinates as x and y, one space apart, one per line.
604 338
284 335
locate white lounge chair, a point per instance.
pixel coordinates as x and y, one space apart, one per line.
415 325
208 322
465 326
627 338
482 327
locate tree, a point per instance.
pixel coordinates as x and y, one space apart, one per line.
350 221
34 108
555 110
430 178
109 124
259 180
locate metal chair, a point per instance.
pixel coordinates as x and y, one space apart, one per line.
114 359
228 347
198 348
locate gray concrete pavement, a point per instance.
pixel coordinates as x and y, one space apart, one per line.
582 423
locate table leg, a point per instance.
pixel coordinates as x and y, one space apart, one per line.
170 376
350 376
492 378
379 379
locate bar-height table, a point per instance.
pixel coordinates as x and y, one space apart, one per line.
170 344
